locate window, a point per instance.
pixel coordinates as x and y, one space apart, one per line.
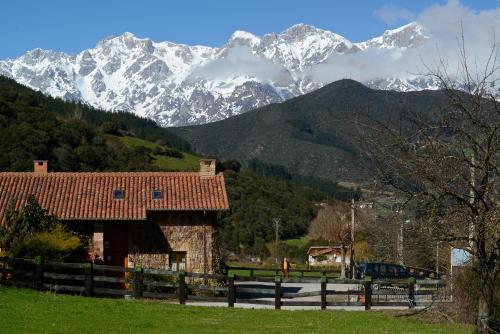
383 270
118 194
157 194
370 269
177 261
393 271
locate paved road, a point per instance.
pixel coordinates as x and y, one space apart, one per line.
295 288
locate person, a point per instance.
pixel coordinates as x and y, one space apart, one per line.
286 267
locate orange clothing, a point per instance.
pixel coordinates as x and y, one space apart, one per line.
286 268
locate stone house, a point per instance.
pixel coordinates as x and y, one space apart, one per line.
326 255
163 220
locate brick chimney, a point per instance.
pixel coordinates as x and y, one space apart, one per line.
40 166
207 167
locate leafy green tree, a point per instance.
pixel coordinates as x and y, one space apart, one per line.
111 128
254 201
32 218
73 137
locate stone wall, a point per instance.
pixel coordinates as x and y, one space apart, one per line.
165 232
150 242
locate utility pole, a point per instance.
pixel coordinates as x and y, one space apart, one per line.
400 248
351 261
277 224
451 273
437 260
472 229
399 243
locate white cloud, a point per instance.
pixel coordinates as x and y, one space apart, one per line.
391 14
240 61
443 25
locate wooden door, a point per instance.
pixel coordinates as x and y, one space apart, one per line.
116 244
177 261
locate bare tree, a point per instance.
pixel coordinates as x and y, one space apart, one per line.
333 224
447 164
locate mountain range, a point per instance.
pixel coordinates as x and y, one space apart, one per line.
177 84
314 134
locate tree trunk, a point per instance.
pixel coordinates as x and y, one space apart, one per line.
483 315
342 258
484 304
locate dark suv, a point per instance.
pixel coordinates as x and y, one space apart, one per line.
381 270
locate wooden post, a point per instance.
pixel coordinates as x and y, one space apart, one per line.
138 280
251 272
411 292
323 292
182 288
87 267
368 293
39 268
231 296
277 292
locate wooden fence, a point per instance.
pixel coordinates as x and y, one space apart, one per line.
101 280
273 271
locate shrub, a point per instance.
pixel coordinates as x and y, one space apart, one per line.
293 252
321 258
259 248
172 152
363 252
56 245
466 286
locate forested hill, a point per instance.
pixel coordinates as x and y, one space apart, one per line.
313 134
75 137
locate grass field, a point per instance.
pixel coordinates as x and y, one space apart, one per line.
189 162
262 270
26 311
299 242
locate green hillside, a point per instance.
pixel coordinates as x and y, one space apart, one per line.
311 135
75 137
177 160
33 126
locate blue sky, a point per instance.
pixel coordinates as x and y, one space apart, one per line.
72 26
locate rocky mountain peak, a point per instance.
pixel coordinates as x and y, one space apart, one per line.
407 36
177 84
127 41
302 30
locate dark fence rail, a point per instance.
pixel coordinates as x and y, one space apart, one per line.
102 280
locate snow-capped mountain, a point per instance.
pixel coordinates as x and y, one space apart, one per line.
178 84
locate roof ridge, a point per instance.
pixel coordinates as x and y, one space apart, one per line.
108 174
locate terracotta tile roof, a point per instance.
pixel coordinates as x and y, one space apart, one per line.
89 196
323 250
